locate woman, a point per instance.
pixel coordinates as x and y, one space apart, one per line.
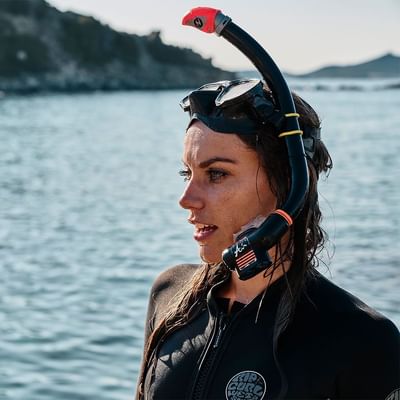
287 332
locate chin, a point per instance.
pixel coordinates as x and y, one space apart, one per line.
211 257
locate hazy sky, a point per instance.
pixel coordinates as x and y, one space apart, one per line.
300 35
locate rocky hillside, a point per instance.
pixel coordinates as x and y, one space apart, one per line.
387 66
42 48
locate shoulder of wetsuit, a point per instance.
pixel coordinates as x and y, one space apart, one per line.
360 342
339 311
169 282
327 297
166 286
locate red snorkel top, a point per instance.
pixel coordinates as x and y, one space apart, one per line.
206 19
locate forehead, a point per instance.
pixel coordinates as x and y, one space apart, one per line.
203 143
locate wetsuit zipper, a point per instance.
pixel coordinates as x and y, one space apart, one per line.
209 358
221 328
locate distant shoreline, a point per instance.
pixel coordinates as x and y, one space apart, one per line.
315 87
386 66
320 87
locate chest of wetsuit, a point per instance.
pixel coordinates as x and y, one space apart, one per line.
336 347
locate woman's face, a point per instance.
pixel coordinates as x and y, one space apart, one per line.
226 188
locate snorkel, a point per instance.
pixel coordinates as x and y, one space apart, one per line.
249 255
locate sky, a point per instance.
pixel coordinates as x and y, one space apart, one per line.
300 35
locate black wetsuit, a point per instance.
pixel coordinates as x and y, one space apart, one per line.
336 347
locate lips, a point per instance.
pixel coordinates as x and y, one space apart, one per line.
203 231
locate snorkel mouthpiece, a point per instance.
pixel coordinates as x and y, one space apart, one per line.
249 255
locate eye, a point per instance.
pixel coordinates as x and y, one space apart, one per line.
216 175
185 173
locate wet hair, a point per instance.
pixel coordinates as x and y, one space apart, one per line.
306 239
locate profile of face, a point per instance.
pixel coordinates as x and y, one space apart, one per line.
226 188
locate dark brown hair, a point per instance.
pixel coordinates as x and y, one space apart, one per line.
306 237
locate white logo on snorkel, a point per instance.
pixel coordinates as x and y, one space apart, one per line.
198 22
241 246
249 385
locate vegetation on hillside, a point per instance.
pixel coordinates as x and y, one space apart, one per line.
47 49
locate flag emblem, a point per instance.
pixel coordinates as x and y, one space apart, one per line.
246 259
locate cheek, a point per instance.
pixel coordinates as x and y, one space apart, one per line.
248 202
227 207
239 200
234 209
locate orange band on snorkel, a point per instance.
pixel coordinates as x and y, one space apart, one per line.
284 215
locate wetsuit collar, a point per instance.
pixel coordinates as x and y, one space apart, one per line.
274 290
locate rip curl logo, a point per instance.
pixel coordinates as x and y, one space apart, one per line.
246 385
395 395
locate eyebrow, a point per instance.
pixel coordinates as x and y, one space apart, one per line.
207 163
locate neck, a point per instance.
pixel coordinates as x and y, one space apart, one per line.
245 291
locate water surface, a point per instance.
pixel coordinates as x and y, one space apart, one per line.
89 217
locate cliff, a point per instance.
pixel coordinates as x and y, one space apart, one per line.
42 48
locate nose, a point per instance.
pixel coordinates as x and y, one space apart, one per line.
192 197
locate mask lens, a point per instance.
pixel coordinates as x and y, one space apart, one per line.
235 92
185 103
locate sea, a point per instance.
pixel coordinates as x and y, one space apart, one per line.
89 216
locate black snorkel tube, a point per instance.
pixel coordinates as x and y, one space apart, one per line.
249 255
